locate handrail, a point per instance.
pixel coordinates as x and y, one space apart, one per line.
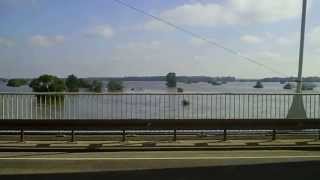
171 124
65 105
149 93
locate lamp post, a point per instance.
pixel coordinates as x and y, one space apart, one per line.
297 110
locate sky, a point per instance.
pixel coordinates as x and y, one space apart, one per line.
100 38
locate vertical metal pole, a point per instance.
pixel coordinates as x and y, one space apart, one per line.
12 107
31 113
21 135
36 108
297 110
303 24
72 136
50 110
3 107
8 106
123 135
60 107
174 135
224 135
274 133
17 104
45 107
41 112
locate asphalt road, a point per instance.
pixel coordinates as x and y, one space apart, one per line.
161 165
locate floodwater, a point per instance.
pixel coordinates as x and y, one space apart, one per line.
135 105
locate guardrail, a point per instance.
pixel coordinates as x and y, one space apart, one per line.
172 125
154 111
152 105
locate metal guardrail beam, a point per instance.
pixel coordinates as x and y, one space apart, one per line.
140 124
151 93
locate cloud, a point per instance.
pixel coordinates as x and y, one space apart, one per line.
46 41
266 11
5 42
268 55
195 14
284 40
250 39
273 39
101 31
140 47
157 26
197 42
231 12
314 36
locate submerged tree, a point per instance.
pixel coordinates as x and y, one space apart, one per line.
17 82
84 83
96 86
72 83
114 85
171 79
180 90
48 83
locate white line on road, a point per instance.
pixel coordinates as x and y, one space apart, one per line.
154 158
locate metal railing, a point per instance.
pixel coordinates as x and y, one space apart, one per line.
152 105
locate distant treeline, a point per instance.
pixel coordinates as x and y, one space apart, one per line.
192 79
291 79
163 78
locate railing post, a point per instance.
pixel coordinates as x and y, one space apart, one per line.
225 135
274 135
72 136
124 135
21 135
174 135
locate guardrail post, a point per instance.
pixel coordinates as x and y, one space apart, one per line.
174 135
124 138
72 136
224 135
274 135
21 135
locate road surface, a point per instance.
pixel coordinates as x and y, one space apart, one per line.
279 164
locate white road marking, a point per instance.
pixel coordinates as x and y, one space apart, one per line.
155 158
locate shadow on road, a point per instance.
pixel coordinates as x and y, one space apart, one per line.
293 170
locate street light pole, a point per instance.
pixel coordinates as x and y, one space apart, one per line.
297 110
303 25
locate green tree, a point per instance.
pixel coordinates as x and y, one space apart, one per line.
96 86
17 82
180 90
171 79
84 83
47 83
114 85
72 83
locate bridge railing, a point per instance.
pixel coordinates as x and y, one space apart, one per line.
112 106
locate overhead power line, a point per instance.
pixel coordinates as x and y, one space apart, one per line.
198 36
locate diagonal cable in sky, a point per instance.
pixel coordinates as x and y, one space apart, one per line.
198 36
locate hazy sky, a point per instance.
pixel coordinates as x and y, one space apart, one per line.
103 38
